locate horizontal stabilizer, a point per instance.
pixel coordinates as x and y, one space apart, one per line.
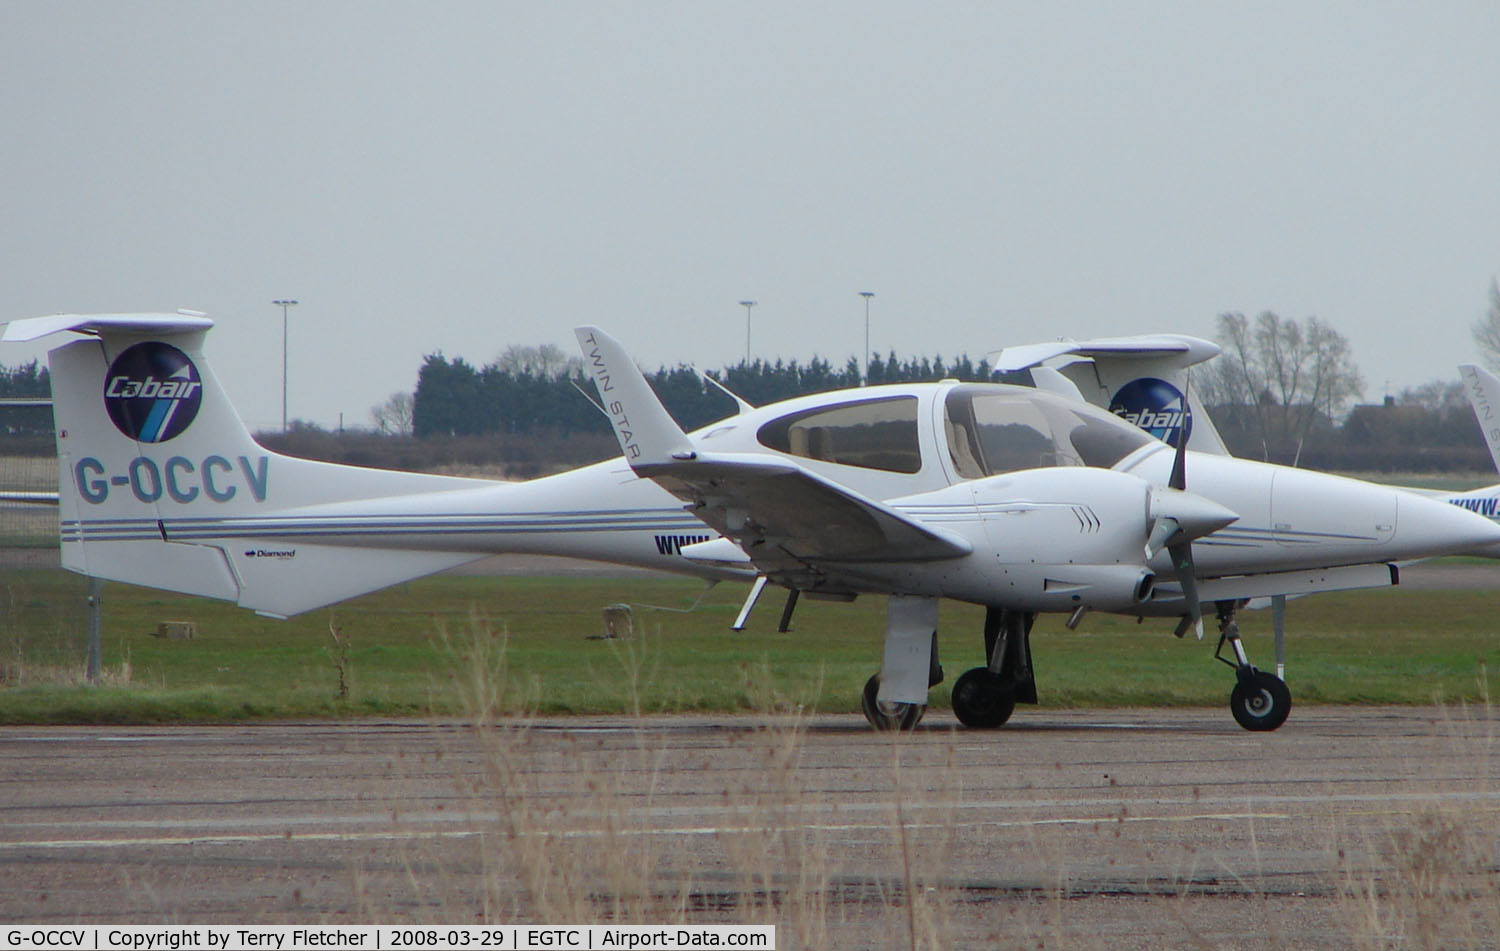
1179 350
35 328
269 576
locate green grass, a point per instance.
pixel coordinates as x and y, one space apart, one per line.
408 647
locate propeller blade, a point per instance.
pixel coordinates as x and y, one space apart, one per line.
1182 567
1162 531
1179 460
1197 516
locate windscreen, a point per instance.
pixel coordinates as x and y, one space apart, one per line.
993 429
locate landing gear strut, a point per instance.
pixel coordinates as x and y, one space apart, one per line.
1260 701
896 698
985 697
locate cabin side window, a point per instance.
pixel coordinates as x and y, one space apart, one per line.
871 434
990 432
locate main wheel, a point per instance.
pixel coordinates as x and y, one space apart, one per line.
982 700
1260 701
889 716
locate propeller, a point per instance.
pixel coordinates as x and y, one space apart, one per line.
1178 517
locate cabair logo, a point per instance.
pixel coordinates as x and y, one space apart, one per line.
1156 406
152 392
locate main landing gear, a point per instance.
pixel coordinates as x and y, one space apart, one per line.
1260 701
890 714
985 697
896 698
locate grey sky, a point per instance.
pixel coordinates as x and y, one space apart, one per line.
464 176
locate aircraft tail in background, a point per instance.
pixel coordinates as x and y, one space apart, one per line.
1141 379
1483 390
161 484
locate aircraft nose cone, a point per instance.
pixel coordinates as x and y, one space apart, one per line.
1429 527
1195 515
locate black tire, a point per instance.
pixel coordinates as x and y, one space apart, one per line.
982 700
889 716
1260 702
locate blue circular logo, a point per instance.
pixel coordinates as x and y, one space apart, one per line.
152 392
1156 406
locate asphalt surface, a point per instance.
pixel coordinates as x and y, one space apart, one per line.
1082 828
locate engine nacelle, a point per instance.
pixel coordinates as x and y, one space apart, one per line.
1067 587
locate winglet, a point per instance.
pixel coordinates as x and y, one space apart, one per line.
1483 391
647 433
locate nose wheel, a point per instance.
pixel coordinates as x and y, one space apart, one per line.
1260 701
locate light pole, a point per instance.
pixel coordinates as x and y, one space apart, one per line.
864 371
747 304
283 304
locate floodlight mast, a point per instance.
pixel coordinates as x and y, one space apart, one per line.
864 371
747 304
284 305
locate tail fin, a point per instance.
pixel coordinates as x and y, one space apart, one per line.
1483 390
161 484
1142 379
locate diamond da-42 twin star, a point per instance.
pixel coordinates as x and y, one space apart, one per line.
1013 498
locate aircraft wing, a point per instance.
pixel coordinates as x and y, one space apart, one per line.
783 516
1483 390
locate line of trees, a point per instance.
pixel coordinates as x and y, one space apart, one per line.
1283 390
526 392
27 429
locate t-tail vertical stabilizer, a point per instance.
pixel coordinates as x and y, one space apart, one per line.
1142 379
161 484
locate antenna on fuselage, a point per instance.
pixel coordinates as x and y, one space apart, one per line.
744 405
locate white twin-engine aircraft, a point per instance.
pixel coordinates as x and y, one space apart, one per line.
1018 499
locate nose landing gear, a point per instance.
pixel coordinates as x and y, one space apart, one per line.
1260 701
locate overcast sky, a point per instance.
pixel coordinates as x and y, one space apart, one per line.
459 177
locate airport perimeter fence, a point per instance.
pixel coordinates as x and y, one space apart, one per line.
44 611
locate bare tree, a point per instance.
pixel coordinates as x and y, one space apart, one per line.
1284 375
394 416
549 361
1487 329
1435 396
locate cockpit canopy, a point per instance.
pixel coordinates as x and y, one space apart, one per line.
990 430
987 430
